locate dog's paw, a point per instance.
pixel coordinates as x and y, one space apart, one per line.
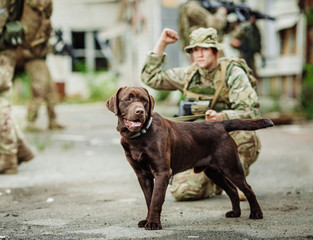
256 215
142 223
232 214
153 226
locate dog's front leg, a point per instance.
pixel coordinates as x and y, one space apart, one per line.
158 197
146 184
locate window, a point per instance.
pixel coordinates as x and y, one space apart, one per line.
89 53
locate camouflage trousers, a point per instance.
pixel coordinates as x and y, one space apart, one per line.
43 89
192 186
9 134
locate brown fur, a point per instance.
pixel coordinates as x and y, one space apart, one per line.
170 147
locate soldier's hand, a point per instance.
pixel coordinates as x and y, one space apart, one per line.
213 116
169 36
235 42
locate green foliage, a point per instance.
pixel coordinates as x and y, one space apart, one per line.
307 91
102 85
21 90
81 66
41 141
309 16
162 95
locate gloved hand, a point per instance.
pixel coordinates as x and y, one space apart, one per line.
13 33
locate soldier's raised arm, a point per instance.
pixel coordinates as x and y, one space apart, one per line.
168 36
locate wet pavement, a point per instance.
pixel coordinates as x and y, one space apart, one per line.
80 186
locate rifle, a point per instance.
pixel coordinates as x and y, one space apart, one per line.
242 11
259 15
187 108
63 48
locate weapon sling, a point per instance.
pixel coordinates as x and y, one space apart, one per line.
212 103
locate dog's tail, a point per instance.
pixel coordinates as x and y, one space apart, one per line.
246 124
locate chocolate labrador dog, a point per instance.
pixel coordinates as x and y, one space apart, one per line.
158 148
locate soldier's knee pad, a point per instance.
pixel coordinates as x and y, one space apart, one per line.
189 185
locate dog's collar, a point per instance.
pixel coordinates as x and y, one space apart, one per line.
144 130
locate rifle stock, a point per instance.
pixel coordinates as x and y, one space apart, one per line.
65 49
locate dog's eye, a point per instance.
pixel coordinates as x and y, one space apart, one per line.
143 100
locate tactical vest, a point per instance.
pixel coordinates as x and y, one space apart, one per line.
36 19
217 100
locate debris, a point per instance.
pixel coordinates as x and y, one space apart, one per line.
50 200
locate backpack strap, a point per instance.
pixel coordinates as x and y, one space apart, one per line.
220 86
192 70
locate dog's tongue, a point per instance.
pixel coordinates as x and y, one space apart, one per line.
135 124
132 123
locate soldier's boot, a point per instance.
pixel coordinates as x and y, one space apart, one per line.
32 113
24 153
31 127
218 191
54 125
8 164
241 195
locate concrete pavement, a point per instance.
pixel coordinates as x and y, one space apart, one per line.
80 186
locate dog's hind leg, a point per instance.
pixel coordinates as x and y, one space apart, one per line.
255 209
220 180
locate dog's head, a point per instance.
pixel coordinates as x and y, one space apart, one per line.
133 106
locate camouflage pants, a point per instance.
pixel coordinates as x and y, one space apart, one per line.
8 131
43 89
191 186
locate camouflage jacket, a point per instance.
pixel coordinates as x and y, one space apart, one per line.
250 38
35 19
240 97
6 13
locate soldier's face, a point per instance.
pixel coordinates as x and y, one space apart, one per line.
204 57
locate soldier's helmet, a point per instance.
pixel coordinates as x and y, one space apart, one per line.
203 37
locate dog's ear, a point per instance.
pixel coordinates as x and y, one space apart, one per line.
112 103
151 102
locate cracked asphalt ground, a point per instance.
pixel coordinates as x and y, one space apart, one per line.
80 186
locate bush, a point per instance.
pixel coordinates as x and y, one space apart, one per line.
102 85
307 91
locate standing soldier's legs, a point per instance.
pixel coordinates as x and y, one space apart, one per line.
24 153
12 145
8 140
192 186
51 100
43 91
38 92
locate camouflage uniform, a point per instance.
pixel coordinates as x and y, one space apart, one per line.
32 56
237 99
250 38
192 16
13 149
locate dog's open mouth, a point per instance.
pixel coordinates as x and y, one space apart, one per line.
133 126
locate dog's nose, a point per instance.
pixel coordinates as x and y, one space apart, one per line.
139 111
